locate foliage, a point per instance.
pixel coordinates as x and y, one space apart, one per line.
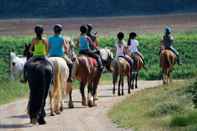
186 44
64 8
10 90
193 90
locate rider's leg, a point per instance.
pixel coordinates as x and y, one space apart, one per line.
176 53
70 66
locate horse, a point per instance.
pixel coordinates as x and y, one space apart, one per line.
60 87
39 75
167 61
85 70
120 67
16 66
137 66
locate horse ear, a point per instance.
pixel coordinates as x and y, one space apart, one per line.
12 50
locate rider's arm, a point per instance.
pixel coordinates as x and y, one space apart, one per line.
46 44
32 45
65 47
91 43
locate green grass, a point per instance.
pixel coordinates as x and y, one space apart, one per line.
186 43
163 108
11 90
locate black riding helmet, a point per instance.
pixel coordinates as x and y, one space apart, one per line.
120 35
83 29
39 29
89 26
132 35
57 28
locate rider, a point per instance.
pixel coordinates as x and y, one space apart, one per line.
121 48
168 41
92 34
132 46
58 47
39 48
39 44
85 43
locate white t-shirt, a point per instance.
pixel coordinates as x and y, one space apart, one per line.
120 45
133 46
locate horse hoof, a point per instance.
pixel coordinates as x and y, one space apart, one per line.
96 98
61 108
119 94
84 104
57 112
33 121
90 104
41 121
70 105
52 114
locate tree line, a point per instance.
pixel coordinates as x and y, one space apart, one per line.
71 8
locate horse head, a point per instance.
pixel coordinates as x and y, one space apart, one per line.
26 51
16 66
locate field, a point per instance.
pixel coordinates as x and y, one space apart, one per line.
14 33
164 108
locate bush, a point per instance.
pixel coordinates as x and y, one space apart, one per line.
184 120
165 108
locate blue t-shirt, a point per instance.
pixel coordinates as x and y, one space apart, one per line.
56 44
84 43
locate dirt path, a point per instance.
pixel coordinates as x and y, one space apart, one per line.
13 116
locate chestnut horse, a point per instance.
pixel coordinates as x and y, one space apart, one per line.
137 66
167 61
85 70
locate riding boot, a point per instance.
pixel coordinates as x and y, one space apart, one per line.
178 60
70 79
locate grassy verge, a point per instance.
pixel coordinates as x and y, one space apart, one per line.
10 90
165 108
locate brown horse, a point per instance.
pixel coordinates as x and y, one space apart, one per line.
137 66
167 61
85 70
120 67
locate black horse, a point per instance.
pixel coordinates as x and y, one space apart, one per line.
39 74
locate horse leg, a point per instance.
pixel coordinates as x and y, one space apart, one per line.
132 80
115 76
122 81
90 94
119 83
82 86
129 83
51 104
70 103
136 80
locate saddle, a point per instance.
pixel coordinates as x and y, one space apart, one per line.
92 61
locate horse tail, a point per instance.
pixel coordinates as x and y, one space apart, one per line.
56 91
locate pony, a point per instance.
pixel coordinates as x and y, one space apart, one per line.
16 66
167 61
137 66
60 87
120 67
85 70
39 75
